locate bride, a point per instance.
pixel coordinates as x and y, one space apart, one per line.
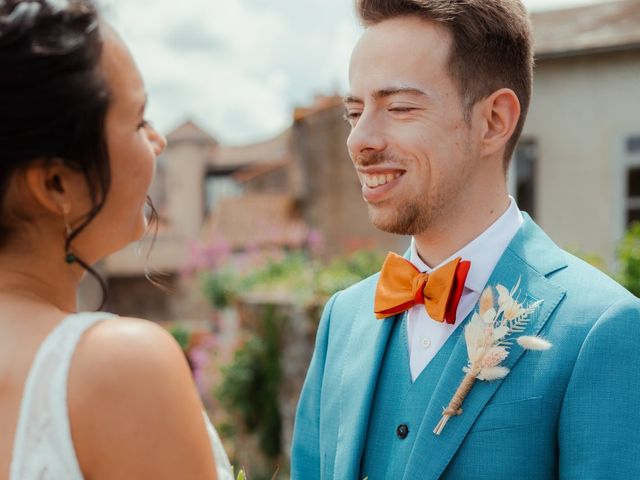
82 395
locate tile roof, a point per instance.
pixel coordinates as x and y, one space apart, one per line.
593 28
257 220
189 132
274 150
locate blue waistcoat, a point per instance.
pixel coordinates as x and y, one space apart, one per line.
399 405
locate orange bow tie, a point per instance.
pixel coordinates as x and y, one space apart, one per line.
401 286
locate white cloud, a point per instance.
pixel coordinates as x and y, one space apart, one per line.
238 67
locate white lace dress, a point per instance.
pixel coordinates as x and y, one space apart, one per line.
43 448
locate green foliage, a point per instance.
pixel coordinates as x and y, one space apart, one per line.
182 336
591 258
629 259
251 384
243 476
347 270
220 287
294 275
291 274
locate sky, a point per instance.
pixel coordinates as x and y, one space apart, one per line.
239 67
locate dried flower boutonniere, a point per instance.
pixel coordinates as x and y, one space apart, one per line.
488 337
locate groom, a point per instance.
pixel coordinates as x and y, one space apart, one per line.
439 95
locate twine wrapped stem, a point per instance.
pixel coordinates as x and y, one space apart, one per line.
454 407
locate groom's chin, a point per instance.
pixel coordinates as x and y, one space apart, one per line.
398 222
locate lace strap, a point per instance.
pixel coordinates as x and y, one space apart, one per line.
43 423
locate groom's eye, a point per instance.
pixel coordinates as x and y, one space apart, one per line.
402 109
352 116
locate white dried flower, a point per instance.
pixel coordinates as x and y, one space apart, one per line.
533 343
489 316
499 333
513 310
486 300
504 296
487 339
493 373
473 334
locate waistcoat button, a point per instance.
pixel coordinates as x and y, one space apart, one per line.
402 431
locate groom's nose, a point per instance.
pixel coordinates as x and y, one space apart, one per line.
367 136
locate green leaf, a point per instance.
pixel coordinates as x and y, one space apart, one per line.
629 259
182 336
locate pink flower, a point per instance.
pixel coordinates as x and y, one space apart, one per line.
316 242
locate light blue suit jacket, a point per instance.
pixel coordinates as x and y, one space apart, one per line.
572 412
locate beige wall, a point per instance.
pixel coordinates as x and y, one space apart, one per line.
183 177
168 254
276 181
582 110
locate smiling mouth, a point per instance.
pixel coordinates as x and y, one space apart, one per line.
378 180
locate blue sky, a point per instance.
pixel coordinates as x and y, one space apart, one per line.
238 67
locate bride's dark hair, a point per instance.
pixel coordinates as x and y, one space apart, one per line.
53 99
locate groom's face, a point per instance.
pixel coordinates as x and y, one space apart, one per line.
410 142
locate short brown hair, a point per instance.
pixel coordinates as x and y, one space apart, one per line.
491 49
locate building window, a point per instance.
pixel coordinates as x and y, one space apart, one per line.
633 144
218 187
524 176
633 180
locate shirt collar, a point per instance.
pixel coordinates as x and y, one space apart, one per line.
484 251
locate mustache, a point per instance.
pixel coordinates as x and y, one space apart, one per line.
370 159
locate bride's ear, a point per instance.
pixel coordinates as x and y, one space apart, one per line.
55 187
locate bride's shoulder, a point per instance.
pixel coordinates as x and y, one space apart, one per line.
130 381
120 350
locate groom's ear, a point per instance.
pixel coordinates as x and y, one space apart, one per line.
499 113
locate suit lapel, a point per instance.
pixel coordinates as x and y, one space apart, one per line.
366 347
530 257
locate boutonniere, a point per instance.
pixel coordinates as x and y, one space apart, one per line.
489 335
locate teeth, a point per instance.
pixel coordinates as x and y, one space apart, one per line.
373 181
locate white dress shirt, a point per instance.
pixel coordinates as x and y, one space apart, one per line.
425 335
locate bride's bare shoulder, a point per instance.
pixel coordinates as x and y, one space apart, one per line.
131 395
126 354
122 350
124 339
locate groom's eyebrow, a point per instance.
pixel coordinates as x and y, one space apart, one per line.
351 99
388 92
